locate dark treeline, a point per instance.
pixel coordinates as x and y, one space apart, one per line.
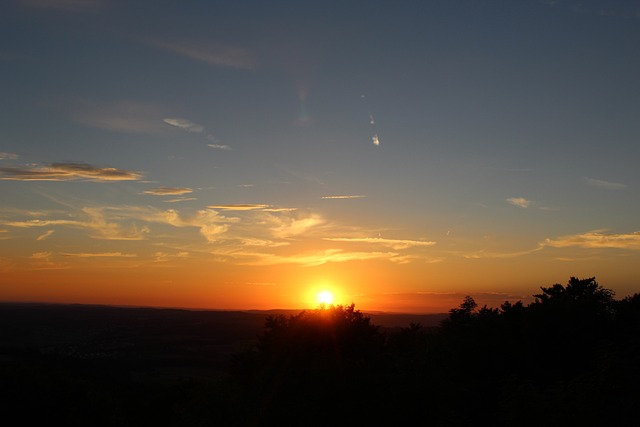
571 357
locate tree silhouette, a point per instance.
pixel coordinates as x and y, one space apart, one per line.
570 357
318 359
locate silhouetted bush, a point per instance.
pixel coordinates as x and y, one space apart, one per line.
570 357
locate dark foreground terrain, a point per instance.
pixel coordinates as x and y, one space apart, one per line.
150 343
570 358
110 365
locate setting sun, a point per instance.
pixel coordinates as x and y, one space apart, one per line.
325 297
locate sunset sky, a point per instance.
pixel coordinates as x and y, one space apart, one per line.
249 154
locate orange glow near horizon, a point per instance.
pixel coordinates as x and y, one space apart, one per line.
201 284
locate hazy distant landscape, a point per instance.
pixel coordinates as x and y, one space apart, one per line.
572 355
157 341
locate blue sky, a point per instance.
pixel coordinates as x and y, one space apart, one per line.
450 146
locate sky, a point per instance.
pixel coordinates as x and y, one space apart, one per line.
249 154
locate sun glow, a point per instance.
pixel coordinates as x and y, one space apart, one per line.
325 297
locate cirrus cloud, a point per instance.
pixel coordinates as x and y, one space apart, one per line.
184 124
356 196
392 243
240 207
168 191
99 255
597 240
67 172
607 185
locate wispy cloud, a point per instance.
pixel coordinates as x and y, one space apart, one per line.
607 185
218 55
46 235
597 240
67 172
44 261
40 255
392 243
520 202
287 227
40 223
109 229
184 124
240 207
164 257
343 197
168 191
318 258
10 156
189 126
209 222
484 254
252 241
179 199
131 223
93 219
219 147
98 255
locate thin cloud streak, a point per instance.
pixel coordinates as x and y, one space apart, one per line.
607 185
45 235
343 197
319 258
500 255
68 172
184 124
219 147
597 240
180 199
168 191
98 255
189 126
392 243
239 207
